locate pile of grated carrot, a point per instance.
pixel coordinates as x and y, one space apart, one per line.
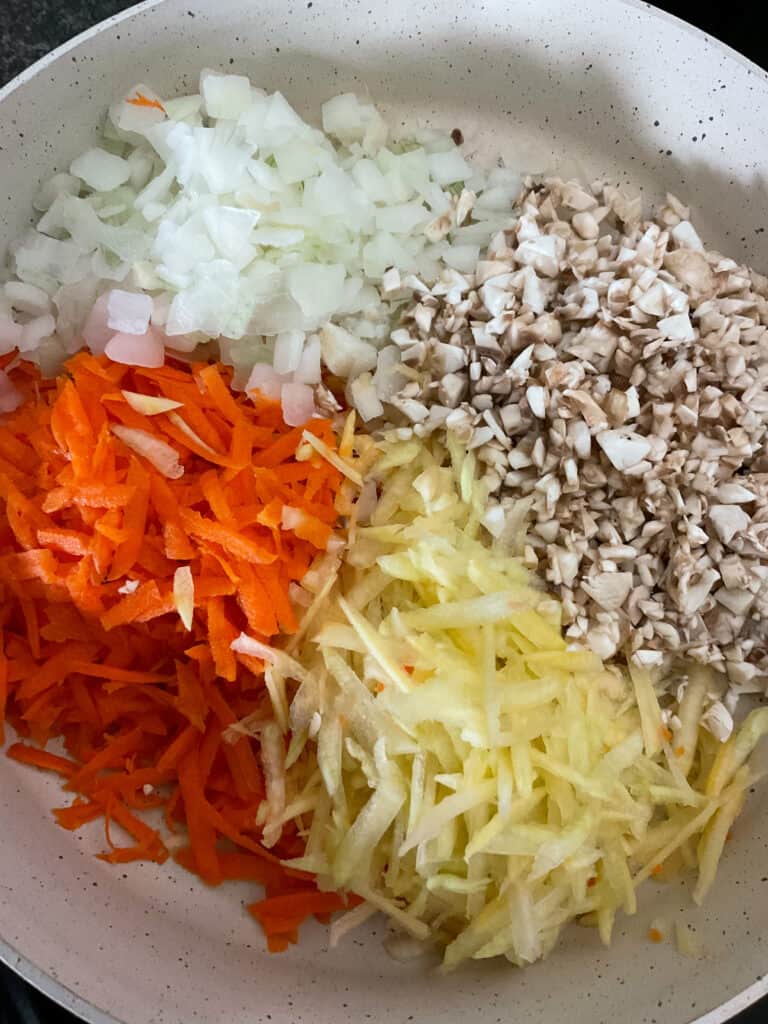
142 527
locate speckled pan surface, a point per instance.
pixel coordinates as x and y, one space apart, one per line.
597 87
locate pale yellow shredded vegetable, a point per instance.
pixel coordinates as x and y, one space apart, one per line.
458 765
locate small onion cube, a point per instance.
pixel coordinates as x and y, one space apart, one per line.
10 335
343 117
344 354
309 371
291 517
448 168
224 96
266 381
184 594
128 312
298 403
59 184
137 349
100 170
96 331
33 332
150 405
362 393
162 456
139 110
10 397
288 349
317 288
27 298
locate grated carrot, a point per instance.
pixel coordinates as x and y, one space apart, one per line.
92 650
140 100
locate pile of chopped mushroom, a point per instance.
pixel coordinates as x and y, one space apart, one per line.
611 374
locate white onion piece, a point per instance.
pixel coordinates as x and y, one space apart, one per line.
264 379
364 398
388 378
185 428
138 117
344 354
128 312
100 170
318 288
150 405
308 371
162 456
27 298
59 184
10 335
226 96
137 350
288 350
449 167
141 164
291 517
95 330
33 332
10 397
298 402
184 594
277 238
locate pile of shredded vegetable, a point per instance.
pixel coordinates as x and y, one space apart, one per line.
460 767
146 518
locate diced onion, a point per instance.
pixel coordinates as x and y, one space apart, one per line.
136 350
101 170
10 397
162 456
184 594
265 380
128 312
150 405
223 216
298 403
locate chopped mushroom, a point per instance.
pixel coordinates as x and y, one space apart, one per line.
609 373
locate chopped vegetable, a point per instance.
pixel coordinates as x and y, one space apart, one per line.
129 562
248 227
479 781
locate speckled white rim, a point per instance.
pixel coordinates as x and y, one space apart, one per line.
9 956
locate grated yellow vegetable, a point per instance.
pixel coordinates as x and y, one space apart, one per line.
480 782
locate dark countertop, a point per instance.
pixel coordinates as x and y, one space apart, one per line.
31 28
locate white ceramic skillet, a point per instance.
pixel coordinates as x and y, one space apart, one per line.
597 87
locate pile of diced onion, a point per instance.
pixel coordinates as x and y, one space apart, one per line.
225 217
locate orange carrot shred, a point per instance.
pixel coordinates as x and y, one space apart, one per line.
201 831
3 686
140 100
42 759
